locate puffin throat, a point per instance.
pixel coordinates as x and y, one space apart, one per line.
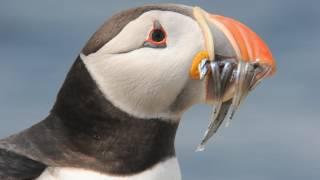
108 139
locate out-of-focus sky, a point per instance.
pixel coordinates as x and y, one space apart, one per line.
275 133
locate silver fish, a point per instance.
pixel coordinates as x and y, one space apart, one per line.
243 76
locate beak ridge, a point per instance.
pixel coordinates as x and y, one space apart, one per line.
248 46
230 38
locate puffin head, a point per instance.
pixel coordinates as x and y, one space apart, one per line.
156 61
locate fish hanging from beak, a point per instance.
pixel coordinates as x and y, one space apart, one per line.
231 74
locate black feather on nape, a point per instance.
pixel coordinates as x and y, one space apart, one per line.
17 167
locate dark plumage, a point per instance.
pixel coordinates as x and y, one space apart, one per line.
84 130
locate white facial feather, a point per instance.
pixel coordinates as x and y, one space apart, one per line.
143 81
166 170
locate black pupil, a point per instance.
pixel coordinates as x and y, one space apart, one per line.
158 35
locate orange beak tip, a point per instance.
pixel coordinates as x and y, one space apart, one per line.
245 42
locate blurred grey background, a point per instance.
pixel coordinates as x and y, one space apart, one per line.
273 136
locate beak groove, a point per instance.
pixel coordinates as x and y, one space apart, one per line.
200 16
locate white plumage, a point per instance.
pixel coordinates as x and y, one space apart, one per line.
167 170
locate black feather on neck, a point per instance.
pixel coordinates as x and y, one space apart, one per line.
85 130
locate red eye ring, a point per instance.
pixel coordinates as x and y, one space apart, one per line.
157 36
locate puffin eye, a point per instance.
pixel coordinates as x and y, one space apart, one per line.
157 37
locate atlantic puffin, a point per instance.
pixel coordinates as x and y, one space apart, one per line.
117 112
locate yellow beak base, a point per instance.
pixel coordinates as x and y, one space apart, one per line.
194 71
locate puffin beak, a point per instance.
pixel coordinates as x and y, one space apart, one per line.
233 63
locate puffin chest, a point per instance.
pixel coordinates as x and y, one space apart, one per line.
168 169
